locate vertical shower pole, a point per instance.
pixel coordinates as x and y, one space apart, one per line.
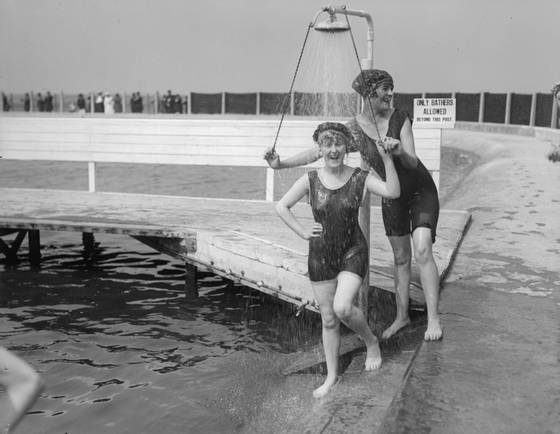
365 211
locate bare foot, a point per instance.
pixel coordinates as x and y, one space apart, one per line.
434 331
325 388
373 357
395 327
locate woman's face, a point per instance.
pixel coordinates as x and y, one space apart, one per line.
383 95
332 145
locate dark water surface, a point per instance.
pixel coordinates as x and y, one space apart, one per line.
121 349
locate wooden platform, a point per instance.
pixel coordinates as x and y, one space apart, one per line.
243 240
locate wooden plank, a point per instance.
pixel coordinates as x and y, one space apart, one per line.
273 262
188 236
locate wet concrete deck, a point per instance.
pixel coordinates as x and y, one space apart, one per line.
497 369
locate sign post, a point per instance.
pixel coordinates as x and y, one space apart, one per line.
431 115
434 112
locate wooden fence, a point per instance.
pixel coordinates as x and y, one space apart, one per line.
536 109
186 141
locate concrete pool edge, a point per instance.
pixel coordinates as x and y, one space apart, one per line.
496 367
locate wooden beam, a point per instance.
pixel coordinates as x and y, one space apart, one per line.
10 250
34 239
187 237
191 287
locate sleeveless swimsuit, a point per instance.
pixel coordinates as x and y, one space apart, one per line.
342 245
418 204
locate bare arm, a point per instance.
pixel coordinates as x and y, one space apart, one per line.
391 188
408 155
307 156
22 385
284 205
404 148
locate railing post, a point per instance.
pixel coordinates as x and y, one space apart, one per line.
91 176
364 221
508 109
292 103
91 102
269 185
554 116
189 103
258 110
533 109
481 109
156 103
31 98
223 103
124 97
61 106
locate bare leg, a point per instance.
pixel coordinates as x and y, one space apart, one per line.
349 314
324 294
401 256
21 386
429 276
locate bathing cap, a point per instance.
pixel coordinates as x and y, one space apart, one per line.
331 126
370 79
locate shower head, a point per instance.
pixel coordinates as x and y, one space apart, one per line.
332 25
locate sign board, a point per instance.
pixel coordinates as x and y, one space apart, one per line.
434 112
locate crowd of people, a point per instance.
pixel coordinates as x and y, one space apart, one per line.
103 102
173 103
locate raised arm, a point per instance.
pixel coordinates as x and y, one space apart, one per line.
284 205
407 152
404 148
391 188
306 156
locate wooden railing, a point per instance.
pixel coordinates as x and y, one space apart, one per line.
213 142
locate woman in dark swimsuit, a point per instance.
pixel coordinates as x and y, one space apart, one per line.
415 214
338 251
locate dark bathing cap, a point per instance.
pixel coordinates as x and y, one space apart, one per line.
370 79
331 126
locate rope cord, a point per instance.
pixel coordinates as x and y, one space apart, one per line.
291 86
361 73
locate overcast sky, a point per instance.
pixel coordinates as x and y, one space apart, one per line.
253 45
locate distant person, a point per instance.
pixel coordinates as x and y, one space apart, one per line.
5 103
49 102
81 104
26 102
136 105
168 102
20 386
140 103
108 106
117 103
40 102
177 104
338 251
98 106
411 217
